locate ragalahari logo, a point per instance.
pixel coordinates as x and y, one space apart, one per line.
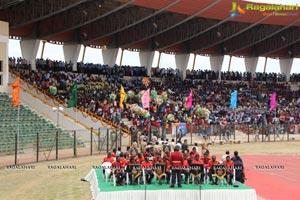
236 10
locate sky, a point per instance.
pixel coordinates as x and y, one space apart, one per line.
92 55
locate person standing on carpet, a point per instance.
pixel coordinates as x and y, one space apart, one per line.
239 170
176 160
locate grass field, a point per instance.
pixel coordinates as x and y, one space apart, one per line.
43 183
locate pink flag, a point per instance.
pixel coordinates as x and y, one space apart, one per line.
146 99
273 101
189 100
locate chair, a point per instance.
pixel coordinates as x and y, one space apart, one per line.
196 171
117 172
133 170
107 170
159 172
220 173
205 173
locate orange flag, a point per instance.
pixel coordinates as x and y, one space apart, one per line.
16 93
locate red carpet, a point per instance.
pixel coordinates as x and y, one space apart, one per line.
274 184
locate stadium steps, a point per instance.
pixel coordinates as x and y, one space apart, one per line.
29 125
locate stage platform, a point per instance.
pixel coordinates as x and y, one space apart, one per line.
102 190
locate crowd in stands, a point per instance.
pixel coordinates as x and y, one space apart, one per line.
95 95
163 159
125 70
235 76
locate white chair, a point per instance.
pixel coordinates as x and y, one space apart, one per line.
107 170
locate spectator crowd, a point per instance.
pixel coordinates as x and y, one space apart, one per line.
99 89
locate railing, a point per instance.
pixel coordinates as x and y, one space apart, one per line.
38 146
216 133
94 117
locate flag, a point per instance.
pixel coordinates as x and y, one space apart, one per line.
233 99
146 99
73 96
16 93
189 100
273 101
53 90
122 96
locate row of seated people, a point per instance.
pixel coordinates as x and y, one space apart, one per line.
195 168
126 70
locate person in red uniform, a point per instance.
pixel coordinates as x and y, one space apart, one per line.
157 158
123 160
229 169
198 161
176 161
147 166
140 158
206 158
210 169
190 157
109 158
118 170
113 153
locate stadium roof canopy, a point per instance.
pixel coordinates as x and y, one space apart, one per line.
172 26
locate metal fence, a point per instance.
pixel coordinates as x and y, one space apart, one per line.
231 133
39 146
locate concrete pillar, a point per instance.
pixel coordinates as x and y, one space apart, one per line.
29 49
110 56
286 66
182 61
216 63
71 53
251 64
146 59
4 38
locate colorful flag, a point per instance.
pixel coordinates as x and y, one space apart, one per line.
72 102
146 99
273 101
53 90
122 96
233 99
16 93
189 100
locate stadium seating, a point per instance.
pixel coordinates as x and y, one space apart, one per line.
30 123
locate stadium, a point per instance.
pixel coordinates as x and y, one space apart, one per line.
194 99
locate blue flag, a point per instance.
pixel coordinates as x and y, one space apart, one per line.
233 99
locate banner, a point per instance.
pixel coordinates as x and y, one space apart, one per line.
273 101
16 93
122 96
72 102
182 129
189 100
233 99
146 99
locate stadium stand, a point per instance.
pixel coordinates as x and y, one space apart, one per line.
30 123
98 93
